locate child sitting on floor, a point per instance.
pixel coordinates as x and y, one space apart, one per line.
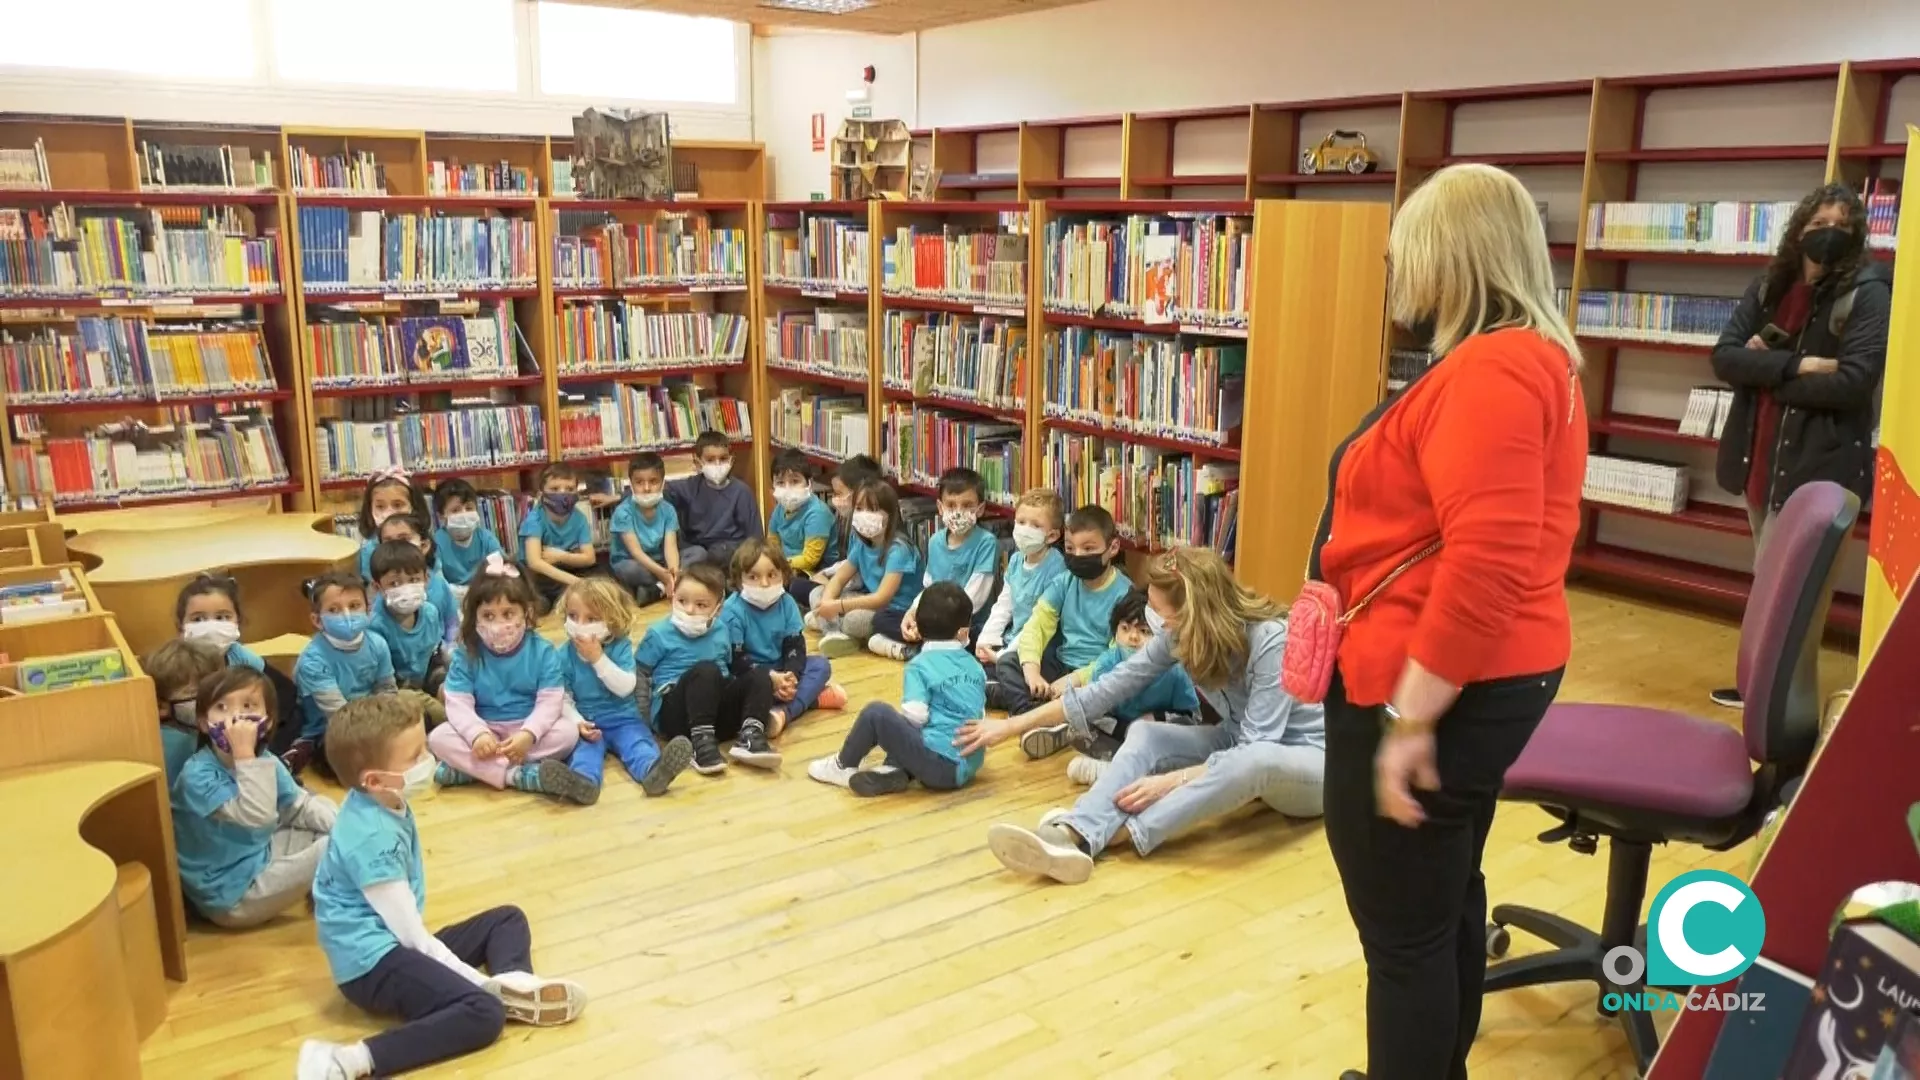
959 554
605 697
462 542
1069 627
176 667
556 536
368 897
717 511
208 610
800 522
408 529
342 663
852 474
872 590
944 687
406 619
1037 519
698 690
764 622
247 837
503 694
644 550
387 493
1170 698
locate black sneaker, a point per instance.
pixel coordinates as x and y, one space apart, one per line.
750 747
1728 698
706 753
297 756
674 759
885 780
561 782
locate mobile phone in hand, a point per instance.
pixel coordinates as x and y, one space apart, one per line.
1773 336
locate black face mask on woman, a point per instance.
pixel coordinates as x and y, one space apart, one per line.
1826 245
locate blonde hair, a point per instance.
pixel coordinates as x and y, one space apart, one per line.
179 664
608 602
1468 251
1214 610
1046 499
359 734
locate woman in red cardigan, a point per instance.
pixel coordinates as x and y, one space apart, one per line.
1444 675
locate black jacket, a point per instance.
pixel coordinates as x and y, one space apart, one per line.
1827 421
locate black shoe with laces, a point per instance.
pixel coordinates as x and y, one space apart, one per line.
885 780
1728 698
750 747
706 753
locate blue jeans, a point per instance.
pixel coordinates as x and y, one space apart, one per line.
813 679
630 739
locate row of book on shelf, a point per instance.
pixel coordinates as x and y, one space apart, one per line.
1726 227
966 357
834 426
1707 408
822 340
1184 269
129 460
201 167
625 418
960 262
919 443
1147 384
595 251
806 250
109 360
61 251
1653 317
616 335
1656 486
350 349
359 171
343 249
450 177
1157 498
475 434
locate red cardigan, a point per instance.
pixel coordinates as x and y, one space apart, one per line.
1479 452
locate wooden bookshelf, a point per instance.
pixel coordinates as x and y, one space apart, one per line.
978 163
1280 132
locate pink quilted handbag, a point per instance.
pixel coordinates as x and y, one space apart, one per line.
1315 625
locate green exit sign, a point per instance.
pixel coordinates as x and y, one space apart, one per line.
863 112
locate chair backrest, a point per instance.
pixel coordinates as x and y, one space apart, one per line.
1786 616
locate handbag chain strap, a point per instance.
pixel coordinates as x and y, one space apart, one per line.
1390 578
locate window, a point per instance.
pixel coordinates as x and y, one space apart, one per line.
435 44
201 38
625 55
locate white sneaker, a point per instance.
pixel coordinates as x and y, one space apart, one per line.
835 645
530 999
828 770
812 622
1029 853
1055 816
1084 770
319 1061
883 646
1046 741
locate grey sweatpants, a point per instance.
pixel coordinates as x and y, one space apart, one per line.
282 883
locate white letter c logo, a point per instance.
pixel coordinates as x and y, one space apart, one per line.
1673 934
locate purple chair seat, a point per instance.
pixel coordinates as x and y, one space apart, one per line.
1632 758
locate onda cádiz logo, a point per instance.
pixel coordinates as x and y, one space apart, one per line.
1705 929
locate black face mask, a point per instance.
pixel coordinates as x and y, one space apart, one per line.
1826 245
1422 333
1087 567
559 502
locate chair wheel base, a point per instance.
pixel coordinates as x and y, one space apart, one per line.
1498 941
1576 959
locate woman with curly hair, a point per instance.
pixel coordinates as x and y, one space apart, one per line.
1804 353
1167 778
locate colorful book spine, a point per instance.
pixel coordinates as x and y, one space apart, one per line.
680 249
132 462
813 252
628 418
1709 228
829 342
1158 498
450 177
166 252
960 263
617 336
1663 318
1191 270
359 172
1146 384
922 443
367 250
833 426
108 359
480 436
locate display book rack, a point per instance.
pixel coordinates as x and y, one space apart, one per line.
405 312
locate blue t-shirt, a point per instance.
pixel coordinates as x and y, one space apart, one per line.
978 553
413 649
1086 616
176 746
504 686
902 559
812 520
760 631
590 695
1172 692
459 564
953 686
219 859
666 654
366 559
239 655
1027 583
370 845
355 673
651 534
569 535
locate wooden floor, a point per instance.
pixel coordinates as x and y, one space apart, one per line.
760 925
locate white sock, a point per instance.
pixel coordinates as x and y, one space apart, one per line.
524 982
355 1058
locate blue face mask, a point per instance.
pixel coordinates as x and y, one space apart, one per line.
344 628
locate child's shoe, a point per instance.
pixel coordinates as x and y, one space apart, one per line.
832 696
812 621
828 770
1046 741
674 759
706 753
299 755
556 779
834 645
332 1061
530 999
881 645
881 780
446 775
1084 770
750 747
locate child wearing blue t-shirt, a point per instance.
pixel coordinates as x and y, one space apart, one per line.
848 478
342 663
764 624
246 836
959 554
208 610
387 493
605 697
177 667
1069 627
556 536
368 896
406 618
462 542
872 590
407 529
700 691
645 550
801 523
1171 698
944 688
503 693
1037 521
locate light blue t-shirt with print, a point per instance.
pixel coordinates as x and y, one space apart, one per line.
459 564
1086 616
902 559
239 655
951 683
504 685
978 553
370 845
1027 584
650 533
413 647
219 859
571 534
760 631
591 696
666 654
811 520
1172 692
355 673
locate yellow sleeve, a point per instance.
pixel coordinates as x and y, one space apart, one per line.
1038 631
809 558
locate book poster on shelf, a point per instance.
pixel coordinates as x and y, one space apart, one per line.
621 154
434 343
1893 545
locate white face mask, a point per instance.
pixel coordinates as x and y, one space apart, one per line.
690 624
1029 538
406 599
792 496
762 596
463 523
213 632
959 522
646 500
717 472
869 523
185 715
417 779
592 631
1154 621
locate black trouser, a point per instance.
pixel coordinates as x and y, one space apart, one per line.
708 697
1011 677
881 725
1417 895
445 1015
286 719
